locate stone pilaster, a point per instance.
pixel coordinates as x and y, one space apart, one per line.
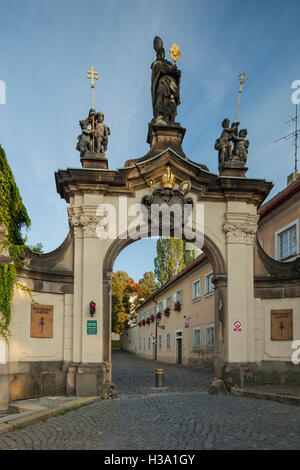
107 288
240 229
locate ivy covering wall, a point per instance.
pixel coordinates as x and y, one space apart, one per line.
14 215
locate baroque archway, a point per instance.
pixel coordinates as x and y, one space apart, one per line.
230 202
220 283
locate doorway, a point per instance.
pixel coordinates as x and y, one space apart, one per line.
179 340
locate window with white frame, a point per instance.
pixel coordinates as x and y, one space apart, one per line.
149 342
178 296
209 335
168 302
144 342
160 342
287 241
209 288
197 289
196 338
160 307
168 341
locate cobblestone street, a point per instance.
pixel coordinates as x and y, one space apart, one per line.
184 416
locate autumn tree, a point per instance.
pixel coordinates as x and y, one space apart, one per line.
147 286
122 288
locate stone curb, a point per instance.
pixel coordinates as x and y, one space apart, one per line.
287 399
18 422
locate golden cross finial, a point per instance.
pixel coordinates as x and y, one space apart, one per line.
91 74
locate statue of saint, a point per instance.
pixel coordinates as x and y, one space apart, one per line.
165 87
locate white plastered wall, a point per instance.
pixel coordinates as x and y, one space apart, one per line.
265 348
24 348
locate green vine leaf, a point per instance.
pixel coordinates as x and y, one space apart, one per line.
14 215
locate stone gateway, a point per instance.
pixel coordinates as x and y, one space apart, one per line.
60 352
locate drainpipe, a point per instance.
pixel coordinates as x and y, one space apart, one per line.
155 355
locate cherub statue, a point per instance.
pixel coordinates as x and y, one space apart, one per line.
223 144
95 139
101 134
241 145
84 139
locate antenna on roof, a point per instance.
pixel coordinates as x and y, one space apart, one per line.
293 135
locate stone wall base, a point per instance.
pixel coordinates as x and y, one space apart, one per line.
36 379
4 387
86 379
206 363
261 373
24 380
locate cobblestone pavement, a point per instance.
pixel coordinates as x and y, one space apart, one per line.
132 374
185 419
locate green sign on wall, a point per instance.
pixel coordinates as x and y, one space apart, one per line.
92 327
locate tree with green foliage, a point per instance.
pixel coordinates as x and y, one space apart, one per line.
147 285
14 216
37 248
171 258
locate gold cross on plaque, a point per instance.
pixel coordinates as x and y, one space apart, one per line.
91 74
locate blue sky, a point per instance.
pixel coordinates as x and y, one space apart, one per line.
48 45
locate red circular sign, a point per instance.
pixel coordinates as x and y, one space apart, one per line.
237 326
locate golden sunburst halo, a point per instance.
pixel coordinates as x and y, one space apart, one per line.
175 52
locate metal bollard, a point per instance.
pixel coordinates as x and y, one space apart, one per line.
159 378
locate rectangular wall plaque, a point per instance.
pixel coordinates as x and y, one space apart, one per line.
282 325
92 327
41 321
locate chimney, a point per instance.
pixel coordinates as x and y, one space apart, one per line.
292 177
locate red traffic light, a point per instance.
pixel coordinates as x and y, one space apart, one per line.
92 307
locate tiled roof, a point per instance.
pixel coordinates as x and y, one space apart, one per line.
279 199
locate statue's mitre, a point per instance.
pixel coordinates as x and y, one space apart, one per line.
168 179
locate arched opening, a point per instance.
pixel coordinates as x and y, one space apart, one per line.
217 262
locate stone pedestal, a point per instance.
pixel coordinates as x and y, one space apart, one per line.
240 374
94 160
235 169
86 379
162 137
